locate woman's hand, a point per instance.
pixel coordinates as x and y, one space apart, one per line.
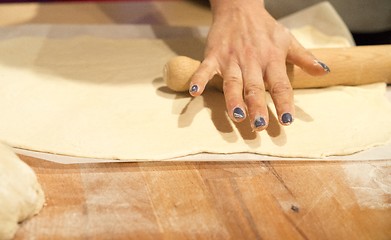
249 49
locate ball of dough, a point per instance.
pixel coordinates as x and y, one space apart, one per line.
21 195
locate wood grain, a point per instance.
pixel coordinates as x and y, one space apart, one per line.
213 200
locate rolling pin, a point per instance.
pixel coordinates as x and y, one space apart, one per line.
349 66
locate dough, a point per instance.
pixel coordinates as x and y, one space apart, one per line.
21 195
105 98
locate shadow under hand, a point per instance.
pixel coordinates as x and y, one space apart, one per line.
275 130
302 115
215 102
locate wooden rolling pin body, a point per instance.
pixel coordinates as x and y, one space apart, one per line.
349 66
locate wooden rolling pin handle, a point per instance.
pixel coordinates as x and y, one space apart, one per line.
349 66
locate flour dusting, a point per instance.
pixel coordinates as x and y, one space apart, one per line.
371 184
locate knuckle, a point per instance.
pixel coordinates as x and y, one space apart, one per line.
280 88
232 82
199 77
253 89
276 57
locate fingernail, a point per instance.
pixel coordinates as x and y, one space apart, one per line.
323 65
194 88
238 113
286 118
259 122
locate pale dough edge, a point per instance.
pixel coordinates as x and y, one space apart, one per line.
21 195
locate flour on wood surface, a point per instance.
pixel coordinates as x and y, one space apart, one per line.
371 184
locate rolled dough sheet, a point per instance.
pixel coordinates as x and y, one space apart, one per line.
102 98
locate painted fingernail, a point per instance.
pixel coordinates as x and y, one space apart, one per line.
259 122
286 118
194 88
323 65
238 113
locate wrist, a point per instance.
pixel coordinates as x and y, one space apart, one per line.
224 7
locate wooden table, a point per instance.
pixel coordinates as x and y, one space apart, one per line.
198 200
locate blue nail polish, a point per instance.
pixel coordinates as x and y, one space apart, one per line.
286 118
259 122
194 88
323 65
238 113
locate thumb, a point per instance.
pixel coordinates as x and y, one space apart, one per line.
304 59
